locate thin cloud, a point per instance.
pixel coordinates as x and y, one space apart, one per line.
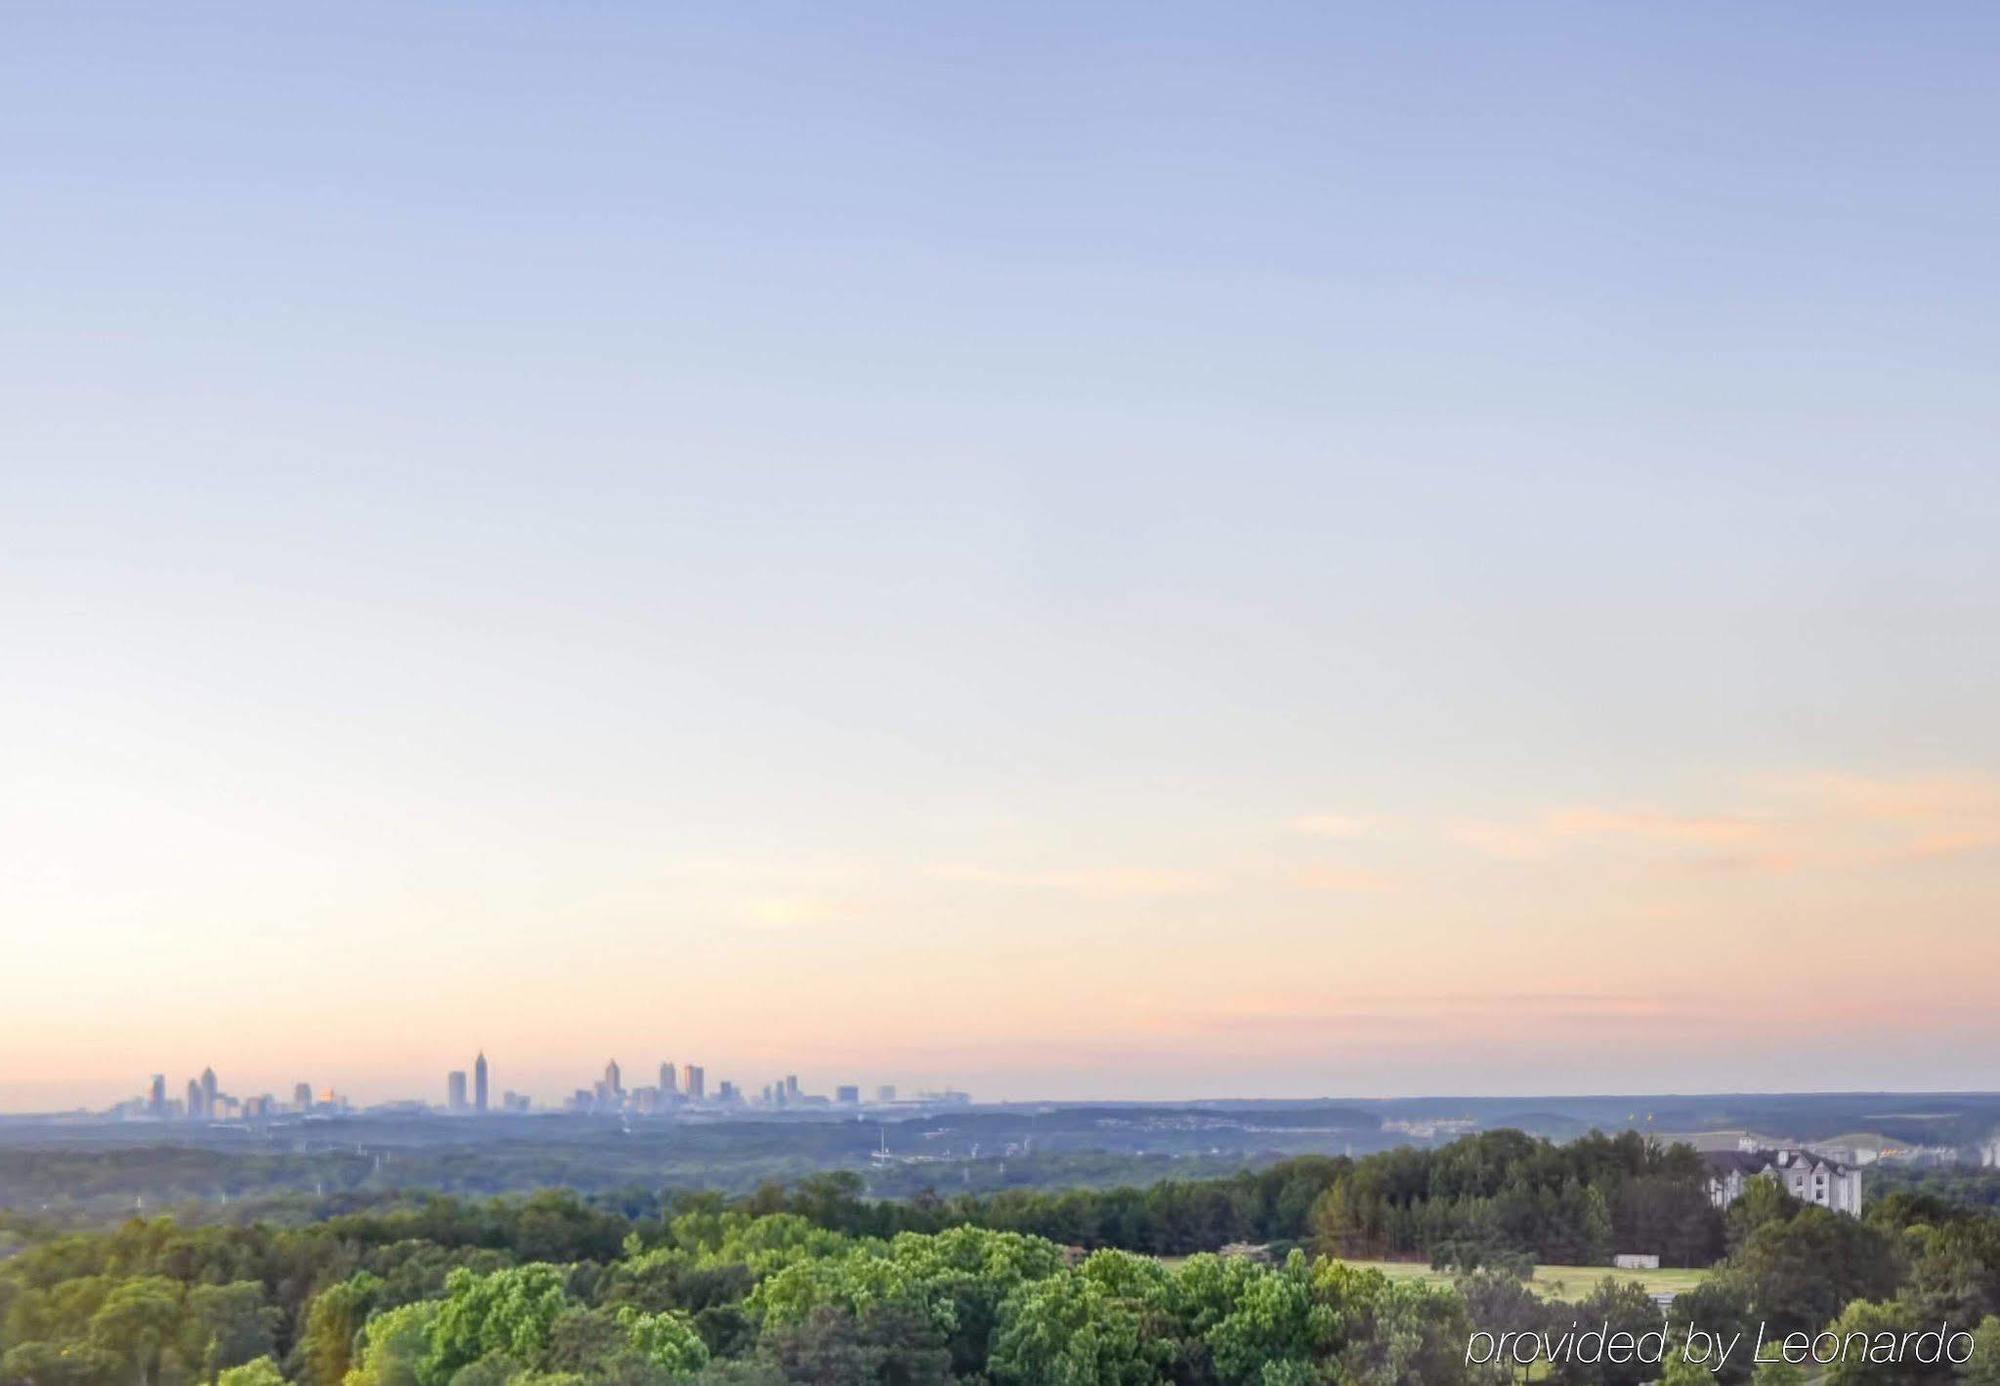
1332 825
1452 1013
1597 824
1353 880
1096 882
1777 825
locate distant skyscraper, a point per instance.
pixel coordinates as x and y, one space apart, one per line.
791 1087
454 1088
302 1096
726 1092
194 1112
847 1094
479 1083
697 1083
613 1083
208 1090
669 1085
886 1093
156 1095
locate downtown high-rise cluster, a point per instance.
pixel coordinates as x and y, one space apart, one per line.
206 1101
686 1085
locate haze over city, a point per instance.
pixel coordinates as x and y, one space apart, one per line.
1192 561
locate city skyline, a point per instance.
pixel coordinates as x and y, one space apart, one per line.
467 1092
1056 553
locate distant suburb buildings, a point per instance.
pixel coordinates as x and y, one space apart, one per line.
1805 1176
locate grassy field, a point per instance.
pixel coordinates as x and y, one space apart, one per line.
1558 1282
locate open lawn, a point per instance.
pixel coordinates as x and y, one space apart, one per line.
1558 1282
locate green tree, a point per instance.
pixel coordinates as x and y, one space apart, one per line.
1072 1330
227 1325
955 1280
1984 1367
333 1321
136 1325
394 1347
889 1345
262 1372
1799 1273
1277 1318
1397 1332
1870 1335
1778 1374
1615 1306
667 1340
509 1311
60 1364
1763 1201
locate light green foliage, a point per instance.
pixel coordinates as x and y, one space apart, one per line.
262 1372
1871 1335
1681 1372
668 1341
136 1325
1778 1374
394 1346
1398 1332
508 1311
1276 1317
1078 1329
1207 1289
765 1244
334 1317
1984 1368
955 1281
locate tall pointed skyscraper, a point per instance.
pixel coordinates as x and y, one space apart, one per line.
479 1083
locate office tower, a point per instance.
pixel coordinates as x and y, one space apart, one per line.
454 1088
697 1083
669 1086
302 1096
156 1095
208 1088
848 1095
612 1083
886 1093
194 1100
479 1083
726 1092
791 1087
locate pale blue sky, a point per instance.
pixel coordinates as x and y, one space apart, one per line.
536 498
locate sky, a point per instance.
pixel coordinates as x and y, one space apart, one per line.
1062 551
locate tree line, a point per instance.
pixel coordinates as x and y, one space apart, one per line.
814 1283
